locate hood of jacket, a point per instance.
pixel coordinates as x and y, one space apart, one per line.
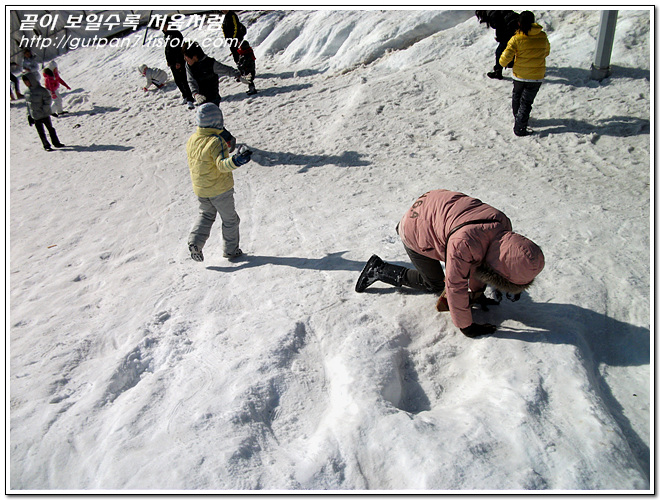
511 264
34 79
535 29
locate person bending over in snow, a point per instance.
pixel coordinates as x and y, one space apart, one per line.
203 74
211 170
478 247
153 75
52 83
38 102
505 24
246 66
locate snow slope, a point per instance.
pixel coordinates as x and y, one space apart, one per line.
131 367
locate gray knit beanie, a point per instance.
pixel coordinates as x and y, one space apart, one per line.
209 116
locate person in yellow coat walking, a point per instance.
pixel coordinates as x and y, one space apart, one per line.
211 170
528 48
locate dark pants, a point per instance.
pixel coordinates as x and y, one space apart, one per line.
14 80
45 122
498 52
234 44
181 80
427 275
522 99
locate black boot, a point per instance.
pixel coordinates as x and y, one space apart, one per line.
377 270
495 74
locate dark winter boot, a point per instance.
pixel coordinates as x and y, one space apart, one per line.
196 253
496 75
377 270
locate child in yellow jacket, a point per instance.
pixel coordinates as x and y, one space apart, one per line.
529 46
211 170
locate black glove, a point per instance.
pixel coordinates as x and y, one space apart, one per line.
243 156
475 330
30 120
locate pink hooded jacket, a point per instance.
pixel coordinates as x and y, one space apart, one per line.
475 254
52 83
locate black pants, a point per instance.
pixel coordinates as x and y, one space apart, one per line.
181 80
45 122
234 44
498 52
427 275
14 80
522 99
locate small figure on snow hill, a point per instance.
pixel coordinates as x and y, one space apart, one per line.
478 247
202 72
30 63
176 62
14 85
246 66
38 102
211 170
52 81
505 24
153 75
234 31
529 46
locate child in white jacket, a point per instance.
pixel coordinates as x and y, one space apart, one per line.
153 75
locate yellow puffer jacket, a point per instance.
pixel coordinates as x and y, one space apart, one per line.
209 163
529 51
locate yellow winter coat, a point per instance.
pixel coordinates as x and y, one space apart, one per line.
529 51
209 163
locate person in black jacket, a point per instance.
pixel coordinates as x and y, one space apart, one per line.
176 62
203 74
234 32
505 24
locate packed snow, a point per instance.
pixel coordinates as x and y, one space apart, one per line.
133 368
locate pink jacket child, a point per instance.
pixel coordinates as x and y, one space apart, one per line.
52 82
478 247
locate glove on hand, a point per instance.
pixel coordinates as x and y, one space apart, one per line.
243 156
199 99
30 120
475 330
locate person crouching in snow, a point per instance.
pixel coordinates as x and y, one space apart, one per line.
153 75
38 102
246 66
52 83
478 247
211 170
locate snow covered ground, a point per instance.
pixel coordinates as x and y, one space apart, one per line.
131 367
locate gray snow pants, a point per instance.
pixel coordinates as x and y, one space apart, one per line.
208 209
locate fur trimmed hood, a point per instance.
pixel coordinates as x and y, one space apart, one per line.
512 263
488 275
